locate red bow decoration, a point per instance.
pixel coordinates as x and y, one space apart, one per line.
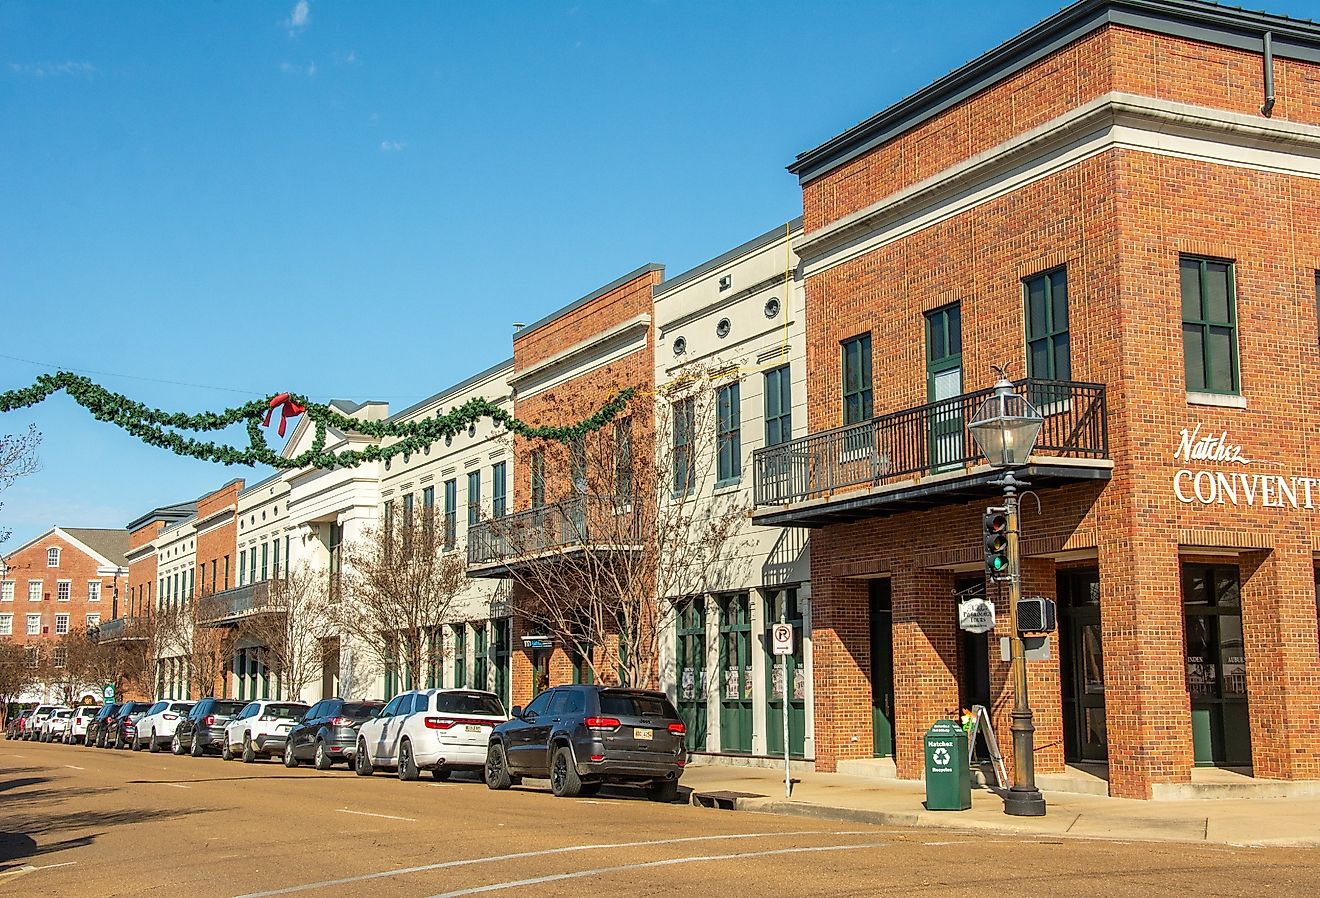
288 409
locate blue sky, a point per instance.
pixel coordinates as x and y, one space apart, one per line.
207 201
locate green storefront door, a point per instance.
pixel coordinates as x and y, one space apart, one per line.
1216 665
1082 666
692 671
944 381
501 650
735 673
783 605
882 668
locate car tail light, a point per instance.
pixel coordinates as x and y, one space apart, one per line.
602 723
210 720
597 757
446 723
682 762
678 729
342 721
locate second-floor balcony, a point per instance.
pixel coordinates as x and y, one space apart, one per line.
233 606
550 534
924 456
122 629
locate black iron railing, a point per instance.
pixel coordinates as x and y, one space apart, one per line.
918 442
233 605
588 521
121 629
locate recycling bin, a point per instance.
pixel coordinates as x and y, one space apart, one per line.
948 775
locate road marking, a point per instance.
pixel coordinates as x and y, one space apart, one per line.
171 785
73 767
466 862
670 862
384 816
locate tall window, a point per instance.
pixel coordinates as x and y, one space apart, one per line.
60 657
623 457
460 656
389 519
93 590
63 590
474 497
191 582
451 513
407 513
685 462
252 562
1048 354
577 451
428 508
275 567
61 624
94 619
7 591
265 561
226 572
857 402
52 557
1210 353
242 568
538 478
35 588
728 435
6 625
498 487
34 625
778 406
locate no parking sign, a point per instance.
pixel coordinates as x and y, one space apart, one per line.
781 635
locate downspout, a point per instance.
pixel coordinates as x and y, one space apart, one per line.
1267 42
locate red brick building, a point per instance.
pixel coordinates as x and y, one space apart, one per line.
1119 204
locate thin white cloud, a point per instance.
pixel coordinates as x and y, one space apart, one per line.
290 68
299 18
393 146
69 67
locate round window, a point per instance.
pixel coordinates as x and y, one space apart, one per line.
680 345
722 328
772 307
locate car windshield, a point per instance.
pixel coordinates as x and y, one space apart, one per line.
284 711
227 709
359 710
636 704
469 703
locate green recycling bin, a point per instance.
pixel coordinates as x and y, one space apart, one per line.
948 776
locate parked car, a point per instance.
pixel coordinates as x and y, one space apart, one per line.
328 732
97 729
583 736
14 725
156 727
260 729
56 725
203 728
32 726
120 731
441 730
83 716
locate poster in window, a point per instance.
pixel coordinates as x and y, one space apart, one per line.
777 682
747 682
799 686
688 687
731 683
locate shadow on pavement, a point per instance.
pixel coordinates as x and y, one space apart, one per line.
23 838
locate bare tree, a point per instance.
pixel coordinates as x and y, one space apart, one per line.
18 458
402 581
629 521
289 624
210 652
79 663
16 675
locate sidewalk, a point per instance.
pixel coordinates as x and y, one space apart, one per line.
1233 821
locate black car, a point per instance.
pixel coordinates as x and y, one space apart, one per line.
328 732
204 727
96 730
583 736
121 730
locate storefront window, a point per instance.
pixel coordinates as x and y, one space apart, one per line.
1215 664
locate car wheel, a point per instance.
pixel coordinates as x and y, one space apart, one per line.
497 768
225 751
176 746
323 759
441 774
290 760
249 750
408 770
154 745
196 749
362 763
136 744
564 781
665 791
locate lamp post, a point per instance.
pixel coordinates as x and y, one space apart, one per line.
1005 429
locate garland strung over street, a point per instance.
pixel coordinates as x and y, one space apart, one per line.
158 428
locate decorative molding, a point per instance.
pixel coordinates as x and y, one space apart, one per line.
1225 539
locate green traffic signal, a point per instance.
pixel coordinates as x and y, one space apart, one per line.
994 534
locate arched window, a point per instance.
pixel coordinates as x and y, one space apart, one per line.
52 557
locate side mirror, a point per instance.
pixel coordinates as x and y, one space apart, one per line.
517 711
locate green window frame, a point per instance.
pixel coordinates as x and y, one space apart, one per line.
1210 345
1049 353
498 490
778 406
451 513
460 656
474 497
538 478
685 461
623 457
728 435
858 401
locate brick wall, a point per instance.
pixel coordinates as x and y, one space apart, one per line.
29 563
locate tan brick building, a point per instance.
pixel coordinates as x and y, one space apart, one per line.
1119 204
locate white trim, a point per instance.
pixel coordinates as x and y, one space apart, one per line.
610 345
1220 400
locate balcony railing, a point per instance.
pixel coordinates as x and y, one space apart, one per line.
120 629
234 605
919 442
594 522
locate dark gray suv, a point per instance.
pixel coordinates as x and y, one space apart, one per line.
581 737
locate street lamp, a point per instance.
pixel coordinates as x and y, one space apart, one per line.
1005 429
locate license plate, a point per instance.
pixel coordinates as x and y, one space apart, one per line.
474 728
285 727
643 733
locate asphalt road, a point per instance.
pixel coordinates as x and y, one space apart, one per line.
81 821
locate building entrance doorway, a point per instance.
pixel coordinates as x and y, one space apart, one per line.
1216 665
735 673
783 605
691 634
882 667
1082 666
974 657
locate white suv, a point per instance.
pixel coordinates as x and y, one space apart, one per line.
261 728
442 730
56 725
82 715
157 726
32 729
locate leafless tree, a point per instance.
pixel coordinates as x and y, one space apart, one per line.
402 580
289 624
16 676
77 663
629 520
18 458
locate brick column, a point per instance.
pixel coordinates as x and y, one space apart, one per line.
1283 673
925 661
1148 714
841 650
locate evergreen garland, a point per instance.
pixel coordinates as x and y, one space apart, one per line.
157 428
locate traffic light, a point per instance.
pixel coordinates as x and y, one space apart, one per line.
994 534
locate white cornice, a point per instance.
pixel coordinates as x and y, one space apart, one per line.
611 344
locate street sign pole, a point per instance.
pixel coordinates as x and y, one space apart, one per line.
782 645
788 779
